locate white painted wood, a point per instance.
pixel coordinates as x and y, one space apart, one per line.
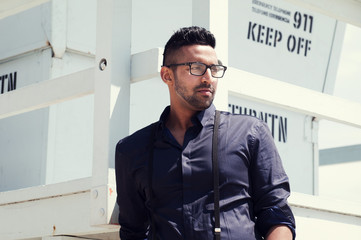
18 40
81 25
70 139
61 238
316 158
12 7
143 65
326 204
58 28
325 218
341 181
64 215
294 98
55 209
46 93
323 225
98 207
219 27
334 58
344 10
45 191
102 84
111 99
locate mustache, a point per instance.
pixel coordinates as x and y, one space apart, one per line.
204 85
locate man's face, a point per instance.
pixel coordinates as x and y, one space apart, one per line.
194 92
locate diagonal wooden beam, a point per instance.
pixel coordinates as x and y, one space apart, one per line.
47 93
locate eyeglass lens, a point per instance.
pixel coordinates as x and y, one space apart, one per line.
199 69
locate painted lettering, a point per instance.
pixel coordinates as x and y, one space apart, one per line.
11 82
282 129
298 45
273 121
262 34
304 20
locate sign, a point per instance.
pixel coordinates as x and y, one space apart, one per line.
282 41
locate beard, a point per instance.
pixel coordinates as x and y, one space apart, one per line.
192 98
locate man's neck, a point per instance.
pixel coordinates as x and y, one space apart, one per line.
178 122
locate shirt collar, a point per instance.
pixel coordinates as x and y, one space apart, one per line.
205 115
201 117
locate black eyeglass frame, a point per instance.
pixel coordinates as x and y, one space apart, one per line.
190 67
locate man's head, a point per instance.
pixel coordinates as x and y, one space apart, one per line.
185 37
191 69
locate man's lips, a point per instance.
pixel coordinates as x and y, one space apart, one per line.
205 91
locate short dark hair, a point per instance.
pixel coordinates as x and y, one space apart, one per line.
187 36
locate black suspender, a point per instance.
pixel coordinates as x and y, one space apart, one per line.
217 225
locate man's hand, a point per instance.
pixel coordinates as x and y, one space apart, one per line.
279 232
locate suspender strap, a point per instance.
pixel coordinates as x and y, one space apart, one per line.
217 225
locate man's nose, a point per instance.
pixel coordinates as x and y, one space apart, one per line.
207 76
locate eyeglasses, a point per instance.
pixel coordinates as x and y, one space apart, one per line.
198 69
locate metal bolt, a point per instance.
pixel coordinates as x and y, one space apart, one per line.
102 64
101 212
95 194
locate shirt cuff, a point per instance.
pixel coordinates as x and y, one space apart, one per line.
276 216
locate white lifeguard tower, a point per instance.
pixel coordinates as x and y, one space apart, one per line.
78 75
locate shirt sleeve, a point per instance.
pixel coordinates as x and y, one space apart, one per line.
133 217
270 185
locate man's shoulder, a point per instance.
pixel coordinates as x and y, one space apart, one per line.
137 141
241 118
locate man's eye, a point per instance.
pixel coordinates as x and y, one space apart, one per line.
217 69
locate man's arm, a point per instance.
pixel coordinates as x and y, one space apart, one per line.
270 187
132 211
279 232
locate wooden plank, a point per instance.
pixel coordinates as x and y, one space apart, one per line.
111 99
47 93
318 224
293 98
61 208
146 65
327 204
45 191
12 7
62 215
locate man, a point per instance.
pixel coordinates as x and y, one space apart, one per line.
164 171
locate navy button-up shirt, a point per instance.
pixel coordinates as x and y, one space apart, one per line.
253 185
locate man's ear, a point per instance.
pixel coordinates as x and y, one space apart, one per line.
166 74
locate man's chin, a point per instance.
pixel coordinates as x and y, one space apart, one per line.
204 106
